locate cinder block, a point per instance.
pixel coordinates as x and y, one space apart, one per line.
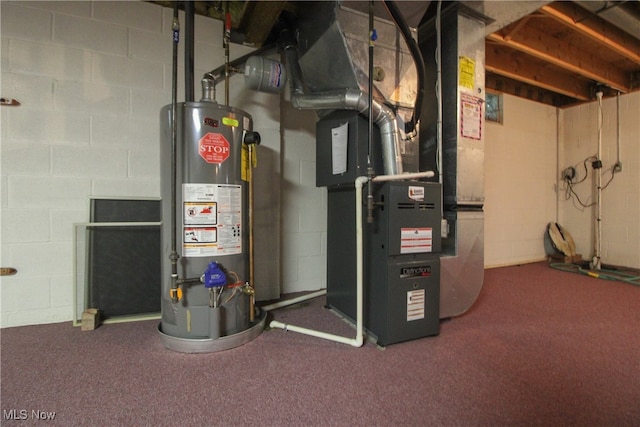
76 8
205 28
313 267
149 46
23 293
25 159
123 131
124 71
88 161
62 290
3 192
49 60
304 244
91 34
53 126
129 187
25 225
84 97
62 221
30 89
19 20
39 261
147 103
141 15
90 319
144 163
46 191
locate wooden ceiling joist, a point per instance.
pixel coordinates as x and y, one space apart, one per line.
564 55
502 61
502 84
258 18
572 16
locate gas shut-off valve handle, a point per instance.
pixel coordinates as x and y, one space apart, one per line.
214 276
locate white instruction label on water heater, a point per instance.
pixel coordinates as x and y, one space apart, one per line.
415 304
211 219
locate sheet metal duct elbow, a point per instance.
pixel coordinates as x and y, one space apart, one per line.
349 99
353 99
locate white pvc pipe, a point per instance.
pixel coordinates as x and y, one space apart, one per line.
295 300
398 177
359 339
317 334
598 244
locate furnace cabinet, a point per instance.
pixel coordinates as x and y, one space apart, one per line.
401 259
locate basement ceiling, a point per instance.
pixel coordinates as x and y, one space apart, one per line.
560 54
563 54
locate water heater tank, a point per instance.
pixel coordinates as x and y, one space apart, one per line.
211 219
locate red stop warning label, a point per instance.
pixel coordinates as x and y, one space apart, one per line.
213 148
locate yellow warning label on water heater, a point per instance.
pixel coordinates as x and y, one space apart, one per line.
249 160
230 121
244 169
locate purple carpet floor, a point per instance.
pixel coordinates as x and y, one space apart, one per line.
540 347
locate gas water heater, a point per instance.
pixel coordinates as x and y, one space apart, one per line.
207 301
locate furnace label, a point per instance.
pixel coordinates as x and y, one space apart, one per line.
416 193
415 305
211 220
416 240
471 116
467 72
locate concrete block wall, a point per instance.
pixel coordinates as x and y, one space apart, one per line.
520 179
92 78
524 160
620 216
304 207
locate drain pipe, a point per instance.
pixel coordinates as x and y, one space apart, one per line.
596 262
293 301
359 339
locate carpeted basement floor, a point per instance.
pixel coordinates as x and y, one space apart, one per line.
539 347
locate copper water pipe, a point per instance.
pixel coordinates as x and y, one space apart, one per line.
252 297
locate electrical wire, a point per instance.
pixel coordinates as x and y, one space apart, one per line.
569 191
569 184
